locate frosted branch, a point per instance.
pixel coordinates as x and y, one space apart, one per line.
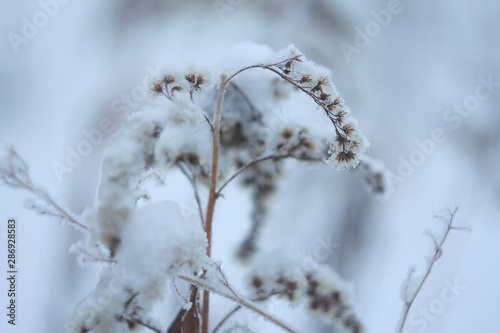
437 254
14 173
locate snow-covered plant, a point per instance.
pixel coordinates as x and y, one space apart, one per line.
282 273
215 129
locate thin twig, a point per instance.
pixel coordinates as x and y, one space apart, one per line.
11 179
291 81
96 258
67 216
226 317
209 122
135 320
63 214
260 66
261 159
138 321
192 180
437 255
248 165
240 301
238 307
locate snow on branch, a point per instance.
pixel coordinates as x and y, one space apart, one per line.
306 76
142 246
282 273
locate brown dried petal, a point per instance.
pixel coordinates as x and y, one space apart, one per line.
190 78
345 156
306 79
157 88
168 79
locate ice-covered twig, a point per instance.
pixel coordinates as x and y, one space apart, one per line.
236 298
14 173
304 75
437 254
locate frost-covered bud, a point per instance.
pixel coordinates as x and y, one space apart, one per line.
345 148
376 177
191 81
278 273
167 85
199 80
315 82
330 297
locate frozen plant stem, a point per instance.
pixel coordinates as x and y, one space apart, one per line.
239 300
213 189
275 155
291 81
437 255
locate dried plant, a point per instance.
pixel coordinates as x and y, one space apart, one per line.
413 285
214 136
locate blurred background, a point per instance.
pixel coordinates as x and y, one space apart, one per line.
406 69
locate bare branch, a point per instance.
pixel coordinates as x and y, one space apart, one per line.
17 176
226 317
437 254
275 155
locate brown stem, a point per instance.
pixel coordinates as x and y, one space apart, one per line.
261 159
213 192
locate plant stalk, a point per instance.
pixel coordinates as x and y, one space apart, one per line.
213 192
